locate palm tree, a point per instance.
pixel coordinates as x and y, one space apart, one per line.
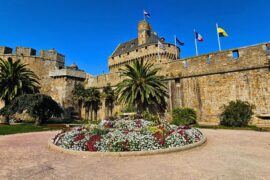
96 103
78 93
109 95
142 88
92 102
16 80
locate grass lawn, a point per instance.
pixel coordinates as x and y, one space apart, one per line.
24 128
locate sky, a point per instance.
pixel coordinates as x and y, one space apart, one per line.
88 31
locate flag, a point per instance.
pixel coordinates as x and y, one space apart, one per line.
146 14
179 42
198 37
222 32
161 46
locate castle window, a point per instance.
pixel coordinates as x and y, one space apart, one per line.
156 45
136 50
146 47
177 81
128 53
120 55
235 54
267 50
208 60
112 58
169 45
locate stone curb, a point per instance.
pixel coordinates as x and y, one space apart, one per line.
124 154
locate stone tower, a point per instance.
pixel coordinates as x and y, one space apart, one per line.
144 32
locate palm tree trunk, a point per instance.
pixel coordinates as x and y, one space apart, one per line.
38 121
6 120
91 114
110 111
80 108
96 115
6 117
106 111
86 112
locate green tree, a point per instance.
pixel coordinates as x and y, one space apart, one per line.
79 93
92 103
39 106
142 88
109 96
16 80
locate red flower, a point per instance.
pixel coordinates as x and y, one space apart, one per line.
138 123
181 131
108 125
79 137
92 142
125 146
125 131
159 137
169 133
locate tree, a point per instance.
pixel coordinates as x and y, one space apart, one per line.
109 95
16 80
142 88
39 106
92 102
79 93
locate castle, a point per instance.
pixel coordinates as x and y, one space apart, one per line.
204 82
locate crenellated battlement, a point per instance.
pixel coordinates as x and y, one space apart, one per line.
237 59
51 55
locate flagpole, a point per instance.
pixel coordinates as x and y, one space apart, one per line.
219 46
195 40
143 15
158 53
175 47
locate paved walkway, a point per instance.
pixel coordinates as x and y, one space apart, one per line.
228 154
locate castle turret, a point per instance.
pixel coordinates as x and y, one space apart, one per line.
53 55
144 32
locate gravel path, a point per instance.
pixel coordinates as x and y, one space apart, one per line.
228 154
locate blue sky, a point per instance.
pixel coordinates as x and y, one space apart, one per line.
87 32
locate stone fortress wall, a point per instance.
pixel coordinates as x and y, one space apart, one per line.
55 78
207 82
204 82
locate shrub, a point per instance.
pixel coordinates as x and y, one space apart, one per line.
237 113
184 116
151 117
39 106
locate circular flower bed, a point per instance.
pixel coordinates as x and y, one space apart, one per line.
126 135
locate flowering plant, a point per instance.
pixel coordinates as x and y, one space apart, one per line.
126 135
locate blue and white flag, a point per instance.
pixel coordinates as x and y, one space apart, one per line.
161 46
198 36
146 14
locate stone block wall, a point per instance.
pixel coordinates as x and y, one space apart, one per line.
148 52
209 81
45 66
